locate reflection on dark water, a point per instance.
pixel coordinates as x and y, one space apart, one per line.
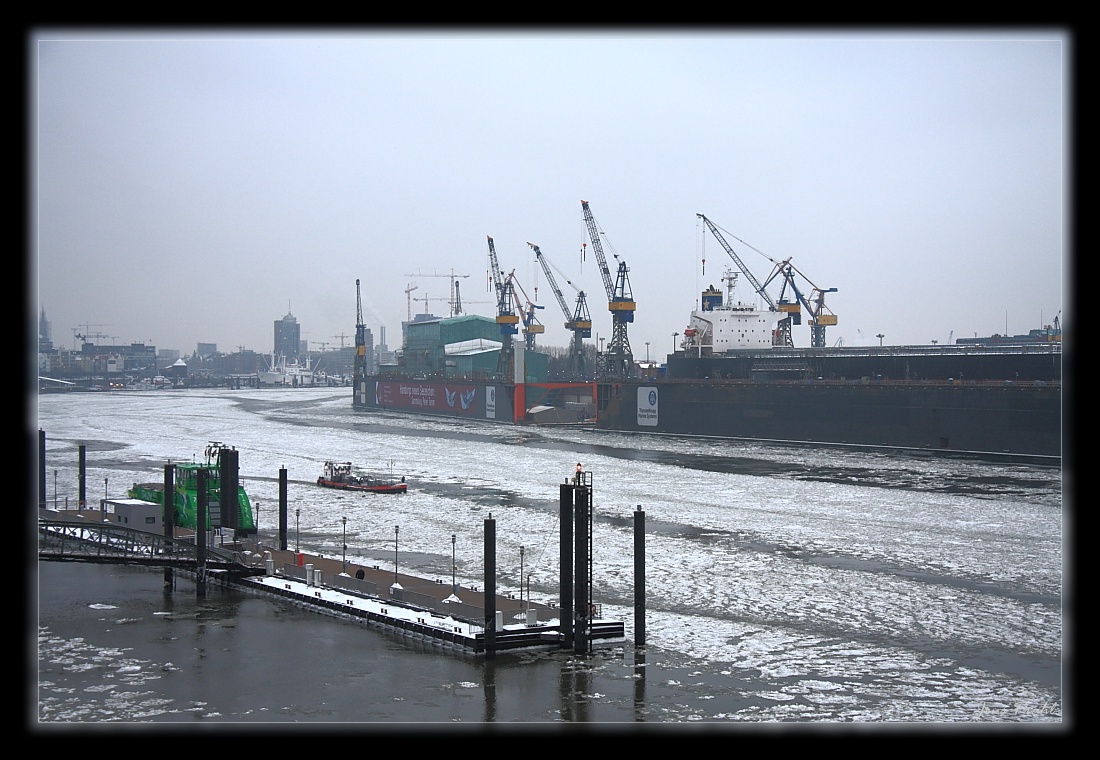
113 646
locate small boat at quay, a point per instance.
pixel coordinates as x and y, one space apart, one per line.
186 490
341 475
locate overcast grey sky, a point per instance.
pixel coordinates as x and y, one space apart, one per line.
195 187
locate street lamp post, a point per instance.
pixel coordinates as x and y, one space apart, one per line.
55 490
345 521
396 529
522 606
104 495
297 533
453 586
880 336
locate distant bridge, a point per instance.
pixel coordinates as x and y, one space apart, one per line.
61 540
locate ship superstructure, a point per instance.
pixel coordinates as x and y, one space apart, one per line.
722 324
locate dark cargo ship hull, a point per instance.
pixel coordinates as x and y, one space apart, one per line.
968 399
1003 418
981 417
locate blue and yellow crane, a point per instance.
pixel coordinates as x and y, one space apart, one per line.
580 323
788 305
618 361
506 318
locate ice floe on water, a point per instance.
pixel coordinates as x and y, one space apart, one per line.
804 583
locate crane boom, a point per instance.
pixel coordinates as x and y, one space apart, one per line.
820 315
597 246
618 362
494 267
456 301
552 281
618 290
740 264
531 324
580 324
359 368
506 315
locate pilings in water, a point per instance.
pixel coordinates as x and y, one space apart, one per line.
282 509
639 577
577 612
639 609
41 468
229 473
582 573
169 520
200 532
82 462
565 564
575 553
490 587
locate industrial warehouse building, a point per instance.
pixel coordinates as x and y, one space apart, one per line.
462 347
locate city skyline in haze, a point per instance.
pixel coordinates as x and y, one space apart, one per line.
187 186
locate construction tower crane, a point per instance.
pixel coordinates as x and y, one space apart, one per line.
580 323
359 365
454 303
618 361
427 298
506 315
408 294
782 335
458 308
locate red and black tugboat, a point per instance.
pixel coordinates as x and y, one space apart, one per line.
340 475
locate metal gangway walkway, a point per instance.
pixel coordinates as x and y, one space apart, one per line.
104 542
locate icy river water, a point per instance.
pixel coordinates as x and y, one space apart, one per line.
784 584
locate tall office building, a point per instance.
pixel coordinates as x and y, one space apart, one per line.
288 336
45 333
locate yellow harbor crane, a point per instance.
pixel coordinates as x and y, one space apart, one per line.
359 367
506 314
618 361
790 304
526 308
